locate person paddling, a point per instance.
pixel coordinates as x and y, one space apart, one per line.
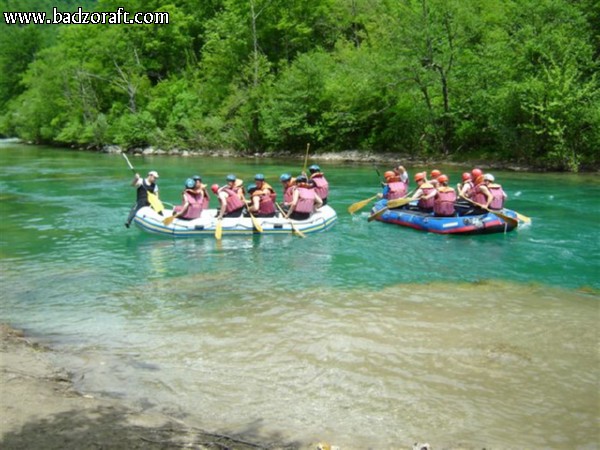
231 198
320 183
443 202
193 202
143 185
305 200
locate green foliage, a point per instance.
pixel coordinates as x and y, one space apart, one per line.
512 79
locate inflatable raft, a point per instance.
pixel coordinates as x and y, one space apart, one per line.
468 219
148 220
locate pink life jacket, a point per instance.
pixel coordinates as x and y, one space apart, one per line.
397 189
267 202
471 187
234 202
288 194
426 204
195 204
443 204
478 196
306 200
498 194
321 185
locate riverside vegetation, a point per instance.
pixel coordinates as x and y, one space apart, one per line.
507 80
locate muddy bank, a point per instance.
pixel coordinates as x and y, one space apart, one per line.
39 408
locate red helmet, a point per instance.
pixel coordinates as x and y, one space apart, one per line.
466 176
442 178
420 176
435 173
214 188
389 174
475 173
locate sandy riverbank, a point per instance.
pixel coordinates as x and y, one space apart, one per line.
40 409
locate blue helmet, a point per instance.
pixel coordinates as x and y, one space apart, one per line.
314 168
301 179
231 177
197 178
251 188
259 177
285 177
190 183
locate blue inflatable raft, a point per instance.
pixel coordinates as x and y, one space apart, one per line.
468 219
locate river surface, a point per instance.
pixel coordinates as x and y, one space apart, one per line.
366 336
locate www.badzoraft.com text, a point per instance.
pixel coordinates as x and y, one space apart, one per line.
120 16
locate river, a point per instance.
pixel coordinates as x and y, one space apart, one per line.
367 336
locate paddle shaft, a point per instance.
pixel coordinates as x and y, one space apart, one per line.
295 230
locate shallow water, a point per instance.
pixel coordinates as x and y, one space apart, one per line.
367 336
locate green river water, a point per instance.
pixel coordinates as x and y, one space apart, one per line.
367 336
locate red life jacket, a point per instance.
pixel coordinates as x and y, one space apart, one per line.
423 203
397 189
306 200
234 202
443 204
498 194
321 185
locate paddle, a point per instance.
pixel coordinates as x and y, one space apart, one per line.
255 222
509 220
522 218
295 230
154 201
219 230
360 205
306 158
169 220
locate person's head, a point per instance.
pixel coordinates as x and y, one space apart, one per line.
230 179
301 179
190 183
259 179
389 175
198 180
214 188
252 188
314 168
285 178
466 176
488 178
420 177
152 176
443 179
399 169
476 173
434 174
479 179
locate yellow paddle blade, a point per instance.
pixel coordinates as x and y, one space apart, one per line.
219 230
155 203
523 218
398 202
377 214
256 224
169 220
296 231
359 205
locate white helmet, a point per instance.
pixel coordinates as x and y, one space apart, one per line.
489 177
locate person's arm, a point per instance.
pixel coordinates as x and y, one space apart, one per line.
417 195
223 200
255 203
318 201
293 204
136 180
488 195
183 210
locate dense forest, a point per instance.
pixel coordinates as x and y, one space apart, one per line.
513 80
